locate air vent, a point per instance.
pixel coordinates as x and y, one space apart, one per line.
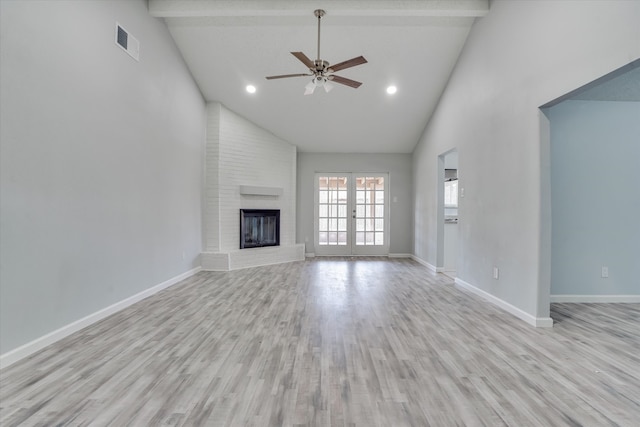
127 42
121 38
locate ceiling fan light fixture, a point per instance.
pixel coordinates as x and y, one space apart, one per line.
327 86
309 88
318 81
391 90
251 89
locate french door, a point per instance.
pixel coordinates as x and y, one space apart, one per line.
351 214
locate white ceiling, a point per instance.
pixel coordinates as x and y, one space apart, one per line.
411 44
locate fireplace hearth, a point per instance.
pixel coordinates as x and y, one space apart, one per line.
259 228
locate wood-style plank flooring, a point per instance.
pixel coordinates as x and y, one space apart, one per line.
332 342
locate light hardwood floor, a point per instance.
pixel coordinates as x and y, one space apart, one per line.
355 342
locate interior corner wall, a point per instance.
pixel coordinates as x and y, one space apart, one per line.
101 163
399 168
517 58
211 213
595 148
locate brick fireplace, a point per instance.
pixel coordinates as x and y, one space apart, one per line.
247 168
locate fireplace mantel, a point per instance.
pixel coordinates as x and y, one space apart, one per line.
254 190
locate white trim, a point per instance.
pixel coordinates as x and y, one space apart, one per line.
629 299
352 256
29 348
431 267
450 274
538 322
310 255
400 256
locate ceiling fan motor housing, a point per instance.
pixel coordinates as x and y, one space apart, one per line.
321 65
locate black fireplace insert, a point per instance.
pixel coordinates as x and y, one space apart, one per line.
259 227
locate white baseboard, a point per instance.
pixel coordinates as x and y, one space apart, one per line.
29 348
400 255
312 255
629 299
426 264
538 322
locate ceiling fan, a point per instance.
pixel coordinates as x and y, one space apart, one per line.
321 71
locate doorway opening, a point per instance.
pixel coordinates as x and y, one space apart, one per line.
585 150
447 230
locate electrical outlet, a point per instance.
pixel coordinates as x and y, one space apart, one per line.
496 273
605 272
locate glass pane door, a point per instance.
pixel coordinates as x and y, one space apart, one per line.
370 210
351 214
332 209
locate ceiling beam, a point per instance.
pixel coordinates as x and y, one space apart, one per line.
279 8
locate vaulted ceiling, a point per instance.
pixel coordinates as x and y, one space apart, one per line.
621 85
412 44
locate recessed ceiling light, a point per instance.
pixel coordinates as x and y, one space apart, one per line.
251 89
391 90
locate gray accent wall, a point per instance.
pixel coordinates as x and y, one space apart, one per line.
397 165
517 58
595 197
101 162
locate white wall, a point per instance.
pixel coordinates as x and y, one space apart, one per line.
595 153
101 162
399 168
520 56
242 153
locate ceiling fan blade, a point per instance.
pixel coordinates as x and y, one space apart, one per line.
345 81
284 76
304 59
348 63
